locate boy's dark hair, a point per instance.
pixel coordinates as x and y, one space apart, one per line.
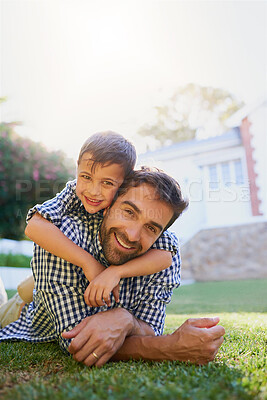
167 188
110 148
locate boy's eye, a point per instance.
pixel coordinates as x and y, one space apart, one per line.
108 183
87 177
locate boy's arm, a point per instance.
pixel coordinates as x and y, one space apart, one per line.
149 263
50 238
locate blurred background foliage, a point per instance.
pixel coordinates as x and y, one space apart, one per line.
29 174
192 110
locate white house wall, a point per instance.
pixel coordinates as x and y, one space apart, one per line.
258 129
228 205
189 177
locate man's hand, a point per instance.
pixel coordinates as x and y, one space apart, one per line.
197 340
101 334
98 291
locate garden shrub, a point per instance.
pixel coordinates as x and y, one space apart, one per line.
15 260
29 174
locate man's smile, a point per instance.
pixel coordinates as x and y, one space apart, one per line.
122 243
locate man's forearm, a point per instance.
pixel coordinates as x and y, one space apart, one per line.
140 328
117 335
143 347
197 341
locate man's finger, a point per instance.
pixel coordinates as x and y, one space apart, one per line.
217 343
217 331
98 361
80 346
203 322
103 360
74 332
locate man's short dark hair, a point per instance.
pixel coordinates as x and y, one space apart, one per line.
167 189
108 148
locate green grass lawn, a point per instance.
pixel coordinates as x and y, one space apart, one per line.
42 371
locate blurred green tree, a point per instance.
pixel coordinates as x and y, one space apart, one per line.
191 108
29 174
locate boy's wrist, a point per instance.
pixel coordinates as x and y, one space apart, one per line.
118 270
92 268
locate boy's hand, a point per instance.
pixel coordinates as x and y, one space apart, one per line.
98 291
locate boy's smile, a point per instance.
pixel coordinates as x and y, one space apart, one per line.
96 187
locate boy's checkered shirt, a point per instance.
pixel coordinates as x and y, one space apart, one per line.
58 302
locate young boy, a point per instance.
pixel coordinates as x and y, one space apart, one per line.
105 160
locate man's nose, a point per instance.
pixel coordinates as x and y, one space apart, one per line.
133 232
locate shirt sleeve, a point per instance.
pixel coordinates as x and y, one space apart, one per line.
156 293
54 209
167 241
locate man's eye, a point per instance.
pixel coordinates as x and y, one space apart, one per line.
151 228
128 211
108 183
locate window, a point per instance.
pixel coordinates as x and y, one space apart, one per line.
239 178
213 177
226 176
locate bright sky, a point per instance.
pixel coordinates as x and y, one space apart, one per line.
70 68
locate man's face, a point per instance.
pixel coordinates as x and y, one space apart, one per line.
133 224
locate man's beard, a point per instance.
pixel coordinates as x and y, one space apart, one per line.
113 255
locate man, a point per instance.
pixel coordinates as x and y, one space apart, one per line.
144 208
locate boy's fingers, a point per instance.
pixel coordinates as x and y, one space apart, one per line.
106 298
99 298
92 298
116 293
87 301
86 296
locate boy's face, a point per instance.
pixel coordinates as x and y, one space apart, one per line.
97 188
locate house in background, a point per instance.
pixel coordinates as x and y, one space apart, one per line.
224 231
